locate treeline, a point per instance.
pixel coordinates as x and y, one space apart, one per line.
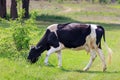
13 8
25 6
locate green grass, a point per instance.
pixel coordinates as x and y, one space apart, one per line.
13 64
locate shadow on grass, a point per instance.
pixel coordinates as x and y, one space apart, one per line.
50 65
81 71
109 72
51 19
54 18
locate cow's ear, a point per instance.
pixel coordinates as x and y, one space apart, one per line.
53 40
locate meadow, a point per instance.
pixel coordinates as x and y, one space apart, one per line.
13 63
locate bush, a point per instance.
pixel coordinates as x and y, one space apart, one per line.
15 36
21 38
21 30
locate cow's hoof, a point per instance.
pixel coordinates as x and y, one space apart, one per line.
59 66
85 69
46 64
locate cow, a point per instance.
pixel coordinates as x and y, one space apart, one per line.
75 36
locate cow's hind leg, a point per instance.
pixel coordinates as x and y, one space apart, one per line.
92 58
101 55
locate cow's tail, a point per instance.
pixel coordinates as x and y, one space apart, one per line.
108 49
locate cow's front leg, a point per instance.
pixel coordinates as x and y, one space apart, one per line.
92 58
50 51
48 54
59 58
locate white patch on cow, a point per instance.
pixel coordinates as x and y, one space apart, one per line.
53 27
93 28
91 39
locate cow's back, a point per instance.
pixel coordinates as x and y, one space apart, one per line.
73 35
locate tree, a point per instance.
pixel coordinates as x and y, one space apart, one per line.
25 7
13 10
3 8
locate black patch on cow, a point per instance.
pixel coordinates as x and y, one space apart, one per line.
43 42
53 40
73 35
99 33
49 39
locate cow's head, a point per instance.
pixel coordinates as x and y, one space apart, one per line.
34 54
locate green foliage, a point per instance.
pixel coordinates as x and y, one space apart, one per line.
20 36
7 48
21 30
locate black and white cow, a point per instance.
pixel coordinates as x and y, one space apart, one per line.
74 36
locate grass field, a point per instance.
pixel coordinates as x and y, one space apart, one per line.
15 67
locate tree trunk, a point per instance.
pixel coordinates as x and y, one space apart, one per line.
25 6
13 10
3 8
